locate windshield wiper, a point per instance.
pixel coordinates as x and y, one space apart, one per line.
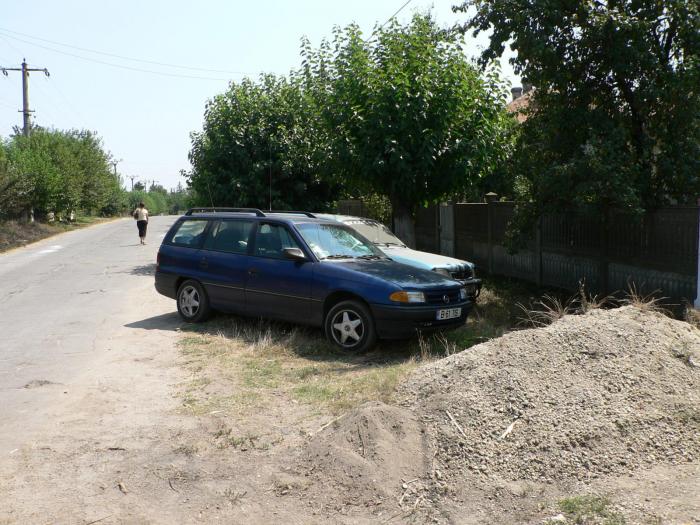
369 257
337 256
389 244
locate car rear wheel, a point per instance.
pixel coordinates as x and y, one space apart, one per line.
349 325
192 302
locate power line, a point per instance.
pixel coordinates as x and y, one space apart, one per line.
70 105
12 46
389 19
45 107
114 55
111 64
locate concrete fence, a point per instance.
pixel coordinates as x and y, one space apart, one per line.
655 252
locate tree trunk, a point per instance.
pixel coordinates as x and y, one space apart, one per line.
404 225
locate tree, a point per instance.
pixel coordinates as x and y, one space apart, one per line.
615 118
58 171
409 116
260 146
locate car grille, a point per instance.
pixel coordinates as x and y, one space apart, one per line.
437 296
462 274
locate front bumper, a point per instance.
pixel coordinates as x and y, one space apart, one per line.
402 322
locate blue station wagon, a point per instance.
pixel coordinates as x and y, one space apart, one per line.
294 267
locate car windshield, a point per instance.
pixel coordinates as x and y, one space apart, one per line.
375 231
334 241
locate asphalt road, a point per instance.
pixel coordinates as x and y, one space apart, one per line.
69 306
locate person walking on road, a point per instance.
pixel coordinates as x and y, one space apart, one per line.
141 216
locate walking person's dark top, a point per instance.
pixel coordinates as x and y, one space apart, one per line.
141 216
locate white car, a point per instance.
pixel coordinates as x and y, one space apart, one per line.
396 249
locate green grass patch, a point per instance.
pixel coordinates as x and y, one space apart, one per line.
590 509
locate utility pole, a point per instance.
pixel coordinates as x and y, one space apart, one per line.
26 112
132 177
114 165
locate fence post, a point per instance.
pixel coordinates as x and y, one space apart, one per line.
491 197
438 228
696 303
538 252
453 205
603 264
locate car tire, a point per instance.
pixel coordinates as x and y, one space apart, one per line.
192 302
349 325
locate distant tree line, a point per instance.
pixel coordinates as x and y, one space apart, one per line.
59 172
62 173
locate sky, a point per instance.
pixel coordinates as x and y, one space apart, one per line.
144 111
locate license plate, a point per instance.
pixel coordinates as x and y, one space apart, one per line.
448 313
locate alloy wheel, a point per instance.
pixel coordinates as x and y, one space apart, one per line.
189 301
347 328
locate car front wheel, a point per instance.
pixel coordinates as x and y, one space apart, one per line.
192 302
350 326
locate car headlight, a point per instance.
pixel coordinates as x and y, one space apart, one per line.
408 297
463 294
443 271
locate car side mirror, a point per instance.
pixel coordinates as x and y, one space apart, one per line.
294 254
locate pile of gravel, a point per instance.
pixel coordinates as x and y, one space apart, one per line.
590 395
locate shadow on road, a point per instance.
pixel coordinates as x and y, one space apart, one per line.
169 321
144 270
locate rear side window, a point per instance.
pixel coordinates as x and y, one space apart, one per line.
272 239
190 233
230 237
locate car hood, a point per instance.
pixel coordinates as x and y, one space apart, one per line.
394 272
422 259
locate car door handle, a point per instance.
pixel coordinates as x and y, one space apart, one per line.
203 263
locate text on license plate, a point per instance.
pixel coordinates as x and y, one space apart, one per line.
448 313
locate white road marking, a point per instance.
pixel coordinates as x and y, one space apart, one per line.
51 249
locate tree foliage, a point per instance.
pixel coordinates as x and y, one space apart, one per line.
260 141
408 115
615 118
56 171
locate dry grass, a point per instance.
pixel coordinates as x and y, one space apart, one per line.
650 302
255 362
552 307
241 366
14 233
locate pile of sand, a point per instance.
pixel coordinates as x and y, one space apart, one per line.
601 393
365 456
589 396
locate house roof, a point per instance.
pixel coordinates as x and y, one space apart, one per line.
519 105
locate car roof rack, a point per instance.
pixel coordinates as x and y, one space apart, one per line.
307 213
256 211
